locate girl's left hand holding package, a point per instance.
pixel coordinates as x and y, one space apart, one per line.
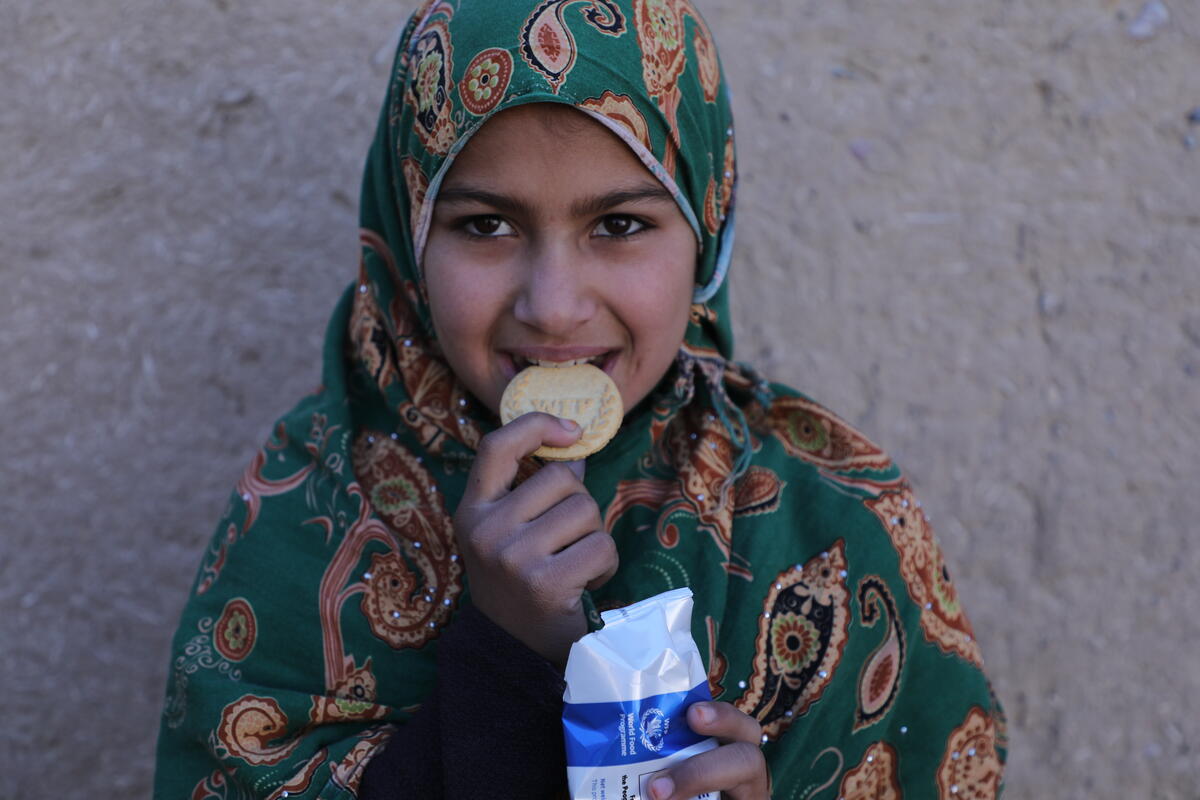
737 767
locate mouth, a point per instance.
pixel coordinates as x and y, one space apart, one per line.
604 360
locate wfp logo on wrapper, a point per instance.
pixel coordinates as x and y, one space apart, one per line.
654 729
631 731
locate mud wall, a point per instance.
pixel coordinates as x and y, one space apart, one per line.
971 228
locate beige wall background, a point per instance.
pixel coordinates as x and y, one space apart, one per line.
973 228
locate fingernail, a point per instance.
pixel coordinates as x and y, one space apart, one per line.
704 714
569 424
662 788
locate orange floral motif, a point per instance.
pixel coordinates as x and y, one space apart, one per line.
660 30
718 664
816 435
214 559
483 84
879 681
430 64
670 157
356 690
924 571
418 186
411 591
327 709
235 631
659 25
698 449
719 196
706 57
757 491
252 487
621 109
795 642
377 244
999 718
971 768
436 401
210 787
800 640
712 220
371 341
840 453
874 778
254 729
367 529
701 313
352 698
548 45
348 772
300 781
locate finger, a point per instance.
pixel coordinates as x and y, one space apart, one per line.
544 489
578 468
724 722
604 577
558 527
501 451
739 770
589 562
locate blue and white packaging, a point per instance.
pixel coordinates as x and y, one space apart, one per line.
629 686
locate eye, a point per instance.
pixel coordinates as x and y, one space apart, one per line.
486 226
619 225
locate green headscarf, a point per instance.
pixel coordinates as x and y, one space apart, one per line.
313 623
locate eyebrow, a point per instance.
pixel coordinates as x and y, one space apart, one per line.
587 206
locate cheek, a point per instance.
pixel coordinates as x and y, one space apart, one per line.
663 307
443 298
454 290
441 307
681 283
463 324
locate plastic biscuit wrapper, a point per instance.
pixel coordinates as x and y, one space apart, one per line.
629 686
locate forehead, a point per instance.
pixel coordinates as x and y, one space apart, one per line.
543 137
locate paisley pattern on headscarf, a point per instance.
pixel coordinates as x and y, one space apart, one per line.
336 554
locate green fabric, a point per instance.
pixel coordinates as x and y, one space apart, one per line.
822 605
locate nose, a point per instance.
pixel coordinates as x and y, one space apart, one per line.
557 293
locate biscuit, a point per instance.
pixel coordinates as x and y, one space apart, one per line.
582 393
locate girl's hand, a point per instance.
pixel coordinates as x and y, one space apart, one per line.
531 551
736 768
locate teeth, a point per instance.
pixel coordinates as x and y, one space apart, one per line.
557 364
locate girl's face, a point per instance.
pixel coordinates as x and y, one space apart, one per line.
551 242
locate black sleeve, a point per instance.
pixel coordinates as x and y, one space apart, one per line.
492 727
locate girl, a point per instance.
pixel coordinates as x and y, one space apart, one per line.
387 606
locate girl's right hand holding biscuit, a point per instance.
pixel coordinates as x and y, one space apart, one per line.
530 552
